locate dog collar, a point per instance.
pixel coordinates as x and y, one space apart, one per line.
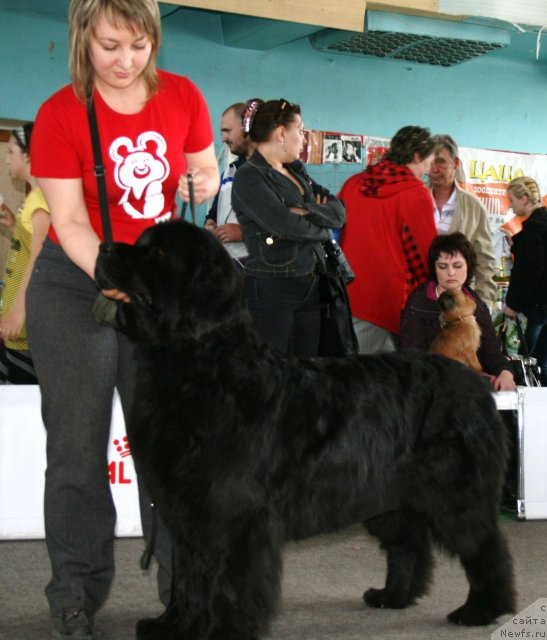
458 319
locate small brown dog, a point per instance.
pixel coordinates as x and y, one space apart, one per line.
460 335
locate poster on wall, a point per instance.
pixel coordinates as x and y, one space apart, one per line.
352 149
341 147
329 147
375 148
487 173
332 147
313 147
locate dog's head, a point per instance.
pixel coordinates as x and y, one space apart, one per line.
455 305
180 279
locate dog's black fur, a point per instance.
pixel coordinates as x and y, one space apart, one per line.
243 448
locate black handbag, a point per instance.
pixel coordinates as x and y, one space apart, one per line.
337 337
526 371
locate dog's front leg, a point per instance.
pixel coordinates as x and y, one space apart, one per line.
188 615
405 539
163 627
248 589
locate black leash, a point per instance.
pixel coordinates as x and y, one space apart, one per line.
148 552
190 179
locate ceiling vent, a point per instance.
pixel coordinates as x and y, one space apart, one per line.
413 39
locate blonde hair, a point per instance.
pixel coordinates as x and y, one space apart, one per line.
140 16
525 186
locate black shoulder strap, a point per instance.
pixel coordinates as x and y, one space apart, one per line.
99 170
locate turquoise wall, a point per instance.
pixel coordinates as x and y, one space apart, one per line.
495 101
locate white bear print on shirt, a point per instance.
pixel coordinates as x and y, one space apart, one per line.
140 170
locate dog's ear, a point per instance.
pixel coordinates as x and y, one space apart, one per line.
214 289
447 301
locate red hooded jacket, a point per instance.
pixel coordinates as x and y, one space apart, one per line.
389 227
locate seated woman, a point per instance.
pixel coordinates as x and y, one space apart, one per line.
451 263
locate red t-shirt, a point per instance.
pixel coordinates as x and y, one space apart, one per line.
143 153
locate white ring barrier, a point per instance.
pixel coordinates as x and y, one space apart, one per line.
23 465
23 461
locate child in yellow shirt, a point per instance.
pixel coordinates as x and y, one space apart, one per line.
31 225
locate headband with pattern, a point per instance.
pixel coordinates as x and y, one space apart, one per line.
249 115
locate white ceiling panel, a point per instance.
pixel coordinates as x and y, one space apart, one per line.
529 12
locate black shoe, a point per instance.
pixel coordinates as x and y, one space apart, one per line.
73 623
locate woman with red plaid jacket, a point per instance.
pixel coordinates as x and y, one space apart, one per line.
389 227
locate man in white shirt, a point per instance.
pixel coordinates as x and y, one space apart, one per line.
459 210
221 219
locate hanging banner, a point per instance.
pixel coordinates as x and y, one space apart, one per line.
486 174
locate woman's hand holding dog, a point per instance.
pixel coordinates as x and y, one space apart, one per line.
203 167
116 294
205 184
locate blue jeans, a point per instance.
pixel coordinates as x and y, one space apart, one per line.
536 336
286 312
79 364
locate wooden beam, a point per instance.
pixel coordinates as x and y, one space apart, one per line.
418 6
426 8
348 15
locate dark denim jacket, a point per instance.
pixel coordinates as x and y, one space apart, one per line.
281 243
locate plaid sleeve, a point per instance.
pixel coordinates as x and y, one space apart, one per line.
416 267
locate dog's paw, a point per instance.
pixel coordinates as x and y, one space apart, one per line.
383 599
469 615
154 629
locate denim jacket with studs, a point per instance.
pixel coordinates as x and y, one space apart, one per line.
281 243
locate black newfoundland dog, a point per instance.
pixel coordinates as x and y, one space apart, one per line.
243 449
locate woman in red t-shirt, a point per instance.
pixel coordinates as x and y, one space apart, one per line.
154 130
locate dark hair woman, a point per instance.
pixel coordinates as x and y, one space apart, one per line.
284 225
408 142
451 261
452 244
